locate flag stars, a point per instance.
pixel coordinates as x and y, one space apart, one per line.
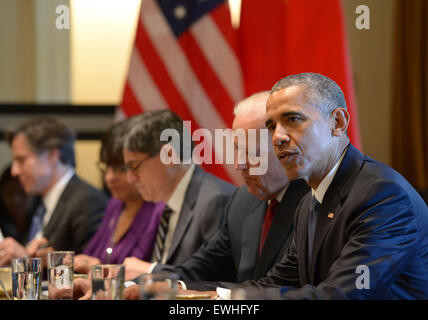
180 12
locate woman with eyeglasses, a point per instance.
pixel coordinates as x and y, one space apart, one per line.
130 224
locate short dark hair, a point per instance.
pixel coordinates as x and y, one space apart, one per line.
322 90
112 143
145 132
45 134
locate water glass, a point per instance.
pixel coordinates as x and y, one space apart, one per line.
27 278
60 275
108 281
5 282
158 286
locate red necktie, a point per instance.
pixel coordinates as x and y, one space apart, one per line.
267 222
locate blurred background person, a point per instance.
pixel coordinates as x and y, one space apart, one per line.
70 210
130 224
16 207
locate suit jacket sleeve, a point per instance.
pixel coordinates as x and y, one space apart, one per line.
86 222
212 261
382 236
284 273
214 216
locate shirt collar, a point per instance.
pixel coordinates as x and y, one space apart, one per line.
325 183
281 194
176 200
51 199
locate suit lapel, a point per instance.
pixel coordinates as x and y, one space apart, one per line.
282 225
302 239
187 213
252 226
60 207
338 190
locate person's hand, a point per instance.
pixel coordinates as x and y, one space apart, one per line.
132 292
135 267
35 245
43 253
83 263
82 289
9 249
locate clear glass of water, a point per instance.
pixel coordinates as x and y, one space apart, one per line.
5 282
108 281
27 278
60 275
158 286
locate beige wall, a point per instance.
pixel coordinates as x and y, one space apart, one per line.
371 52
17 69
102 34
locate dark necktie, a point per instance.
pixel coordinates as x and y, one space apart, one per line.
37 221
267 222
314 209
161 235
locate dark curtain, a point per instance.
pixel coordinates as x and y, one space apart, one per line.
410 92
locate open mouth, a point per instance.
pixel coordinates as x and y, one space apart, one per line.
287 156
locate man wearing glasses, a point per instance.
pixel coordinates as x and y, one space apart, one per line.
194 199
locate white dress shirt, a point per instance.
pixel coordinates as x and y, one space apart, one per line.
325 183
50 200
175 203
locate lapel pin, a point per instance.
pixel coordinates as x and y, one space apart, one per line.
331 215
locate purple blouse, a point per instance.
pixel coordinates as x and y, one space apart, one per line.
138 241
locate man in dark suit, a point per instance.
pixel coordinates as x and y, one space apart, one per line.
237 252
258 224
195 199
363 232
69 210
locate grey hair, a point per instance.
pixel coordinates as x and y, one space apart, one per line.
254 103
323 91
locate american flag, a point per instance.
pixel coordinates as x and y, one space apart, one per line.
184 59
188 58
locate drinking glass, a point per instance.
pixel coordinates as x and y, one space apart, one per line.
5 282
26 278
158 286
60 275
108 281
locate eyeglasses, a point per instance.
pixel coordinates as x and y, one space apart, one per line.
134 169
119 168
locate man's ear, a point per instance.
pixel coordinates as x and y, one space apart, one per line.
341 119
53 156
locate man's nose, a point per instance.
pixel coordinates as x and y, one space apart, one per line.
15 169
280 136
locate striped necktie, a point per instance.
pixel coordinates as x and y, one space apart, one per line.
161 235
